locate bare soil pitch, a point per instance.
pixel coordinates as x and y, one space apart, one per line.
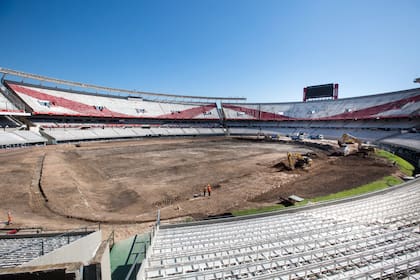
124 183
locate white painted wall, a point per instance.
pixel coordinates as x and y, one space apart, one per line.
81 250
106 265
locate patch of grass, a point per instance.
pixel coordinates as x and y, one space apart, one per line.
405 167
374 186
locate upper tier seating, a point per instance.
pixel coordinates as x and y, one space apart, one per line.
369 238
60 102
388 105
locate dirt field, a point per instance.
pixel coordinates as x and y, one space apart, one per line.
122 184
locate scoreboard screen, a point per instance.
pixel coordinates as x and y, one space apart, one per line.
320 91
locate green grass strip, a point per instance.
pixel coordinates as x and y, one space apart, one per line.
405 167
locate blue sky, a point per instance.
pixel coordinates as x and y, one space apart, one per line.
266 50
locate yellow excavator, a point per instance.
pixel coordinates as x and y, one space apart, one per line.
350 144
297 160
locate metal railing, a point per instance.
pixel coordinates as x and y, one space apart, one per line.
139 268
111 239
143 252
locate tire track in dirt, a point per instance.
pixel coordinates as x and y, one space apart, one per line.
37 198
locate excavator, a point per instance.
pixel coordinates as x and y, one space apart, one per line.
297 160
350 144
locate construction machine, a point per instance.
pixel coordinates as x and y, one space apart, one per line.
348 139
351 145
297 160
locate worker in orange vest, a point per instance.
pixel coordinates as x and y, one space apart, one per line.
209 189
9 218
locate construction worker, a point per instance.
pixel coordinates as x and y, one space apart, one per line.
9 218
204 191
209 189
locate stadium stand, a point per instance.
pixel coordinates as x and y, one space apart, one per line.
366 237
17 138
104 133
30 137
60 102
382 106
67 115
8 139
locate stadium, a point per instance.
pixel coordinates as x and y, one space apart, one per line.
85 166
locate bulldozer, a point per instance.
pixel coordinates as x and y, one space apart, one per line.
297 160
352 145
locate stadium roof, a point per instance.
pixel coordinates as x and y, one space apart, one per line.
110 89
